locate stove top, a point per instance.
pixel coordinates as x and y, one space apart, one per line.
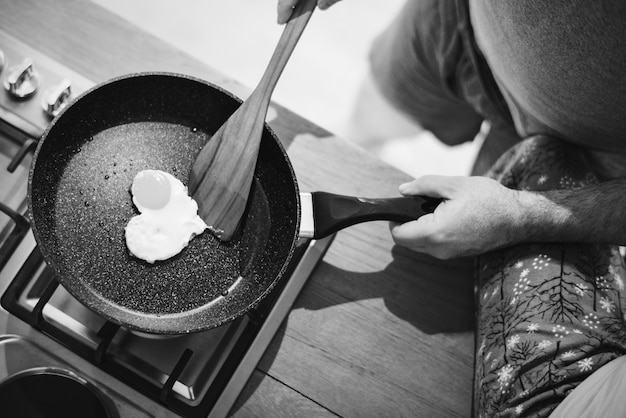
44 330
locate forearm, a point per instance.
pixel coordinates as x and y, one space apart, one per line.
589 214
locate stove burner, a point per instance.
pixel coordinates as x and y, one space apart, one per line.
50 392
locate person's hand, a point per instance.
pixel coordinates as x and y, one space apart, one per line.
477 214
285 7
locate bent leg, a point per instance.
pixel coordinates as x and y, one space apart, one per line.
418 68
549 315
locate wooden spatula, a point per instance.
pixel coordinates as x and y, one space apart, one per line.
222 174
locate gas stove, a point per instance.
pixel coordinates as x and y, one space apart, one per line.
51 344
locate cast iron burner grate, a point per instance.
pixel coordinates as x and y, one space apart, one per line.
15 233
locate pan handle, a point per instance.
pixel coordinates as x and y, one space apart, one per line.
326 213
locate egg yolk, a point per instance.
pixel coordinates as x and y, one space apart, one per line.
151 189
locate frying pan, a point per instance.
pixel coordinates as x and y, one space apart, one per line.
80 202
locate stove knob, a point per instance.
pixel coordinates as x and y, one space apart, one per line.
22 80
56 98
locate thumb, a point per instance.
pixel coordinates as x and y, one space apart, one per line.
284 10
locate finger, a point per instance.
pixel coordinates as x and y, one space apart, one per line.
284 10
325 4
399 238
431 185
416 237
413 234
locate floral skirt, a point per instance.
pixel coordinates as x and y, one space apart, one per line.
550 314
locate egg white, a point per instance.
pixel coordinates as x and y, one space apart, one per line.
159 234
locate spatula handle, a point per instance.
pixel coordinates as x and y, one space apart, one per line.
286 44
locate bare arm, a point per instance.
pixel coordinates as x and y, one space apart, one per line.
589 214
479 215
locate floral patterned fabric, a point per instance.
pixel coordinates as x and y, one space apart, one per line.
549 315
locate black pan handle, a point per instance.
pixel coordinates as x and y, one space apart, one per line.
332 212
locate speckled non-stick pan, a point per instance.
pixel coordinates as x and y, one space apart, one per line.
80 202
